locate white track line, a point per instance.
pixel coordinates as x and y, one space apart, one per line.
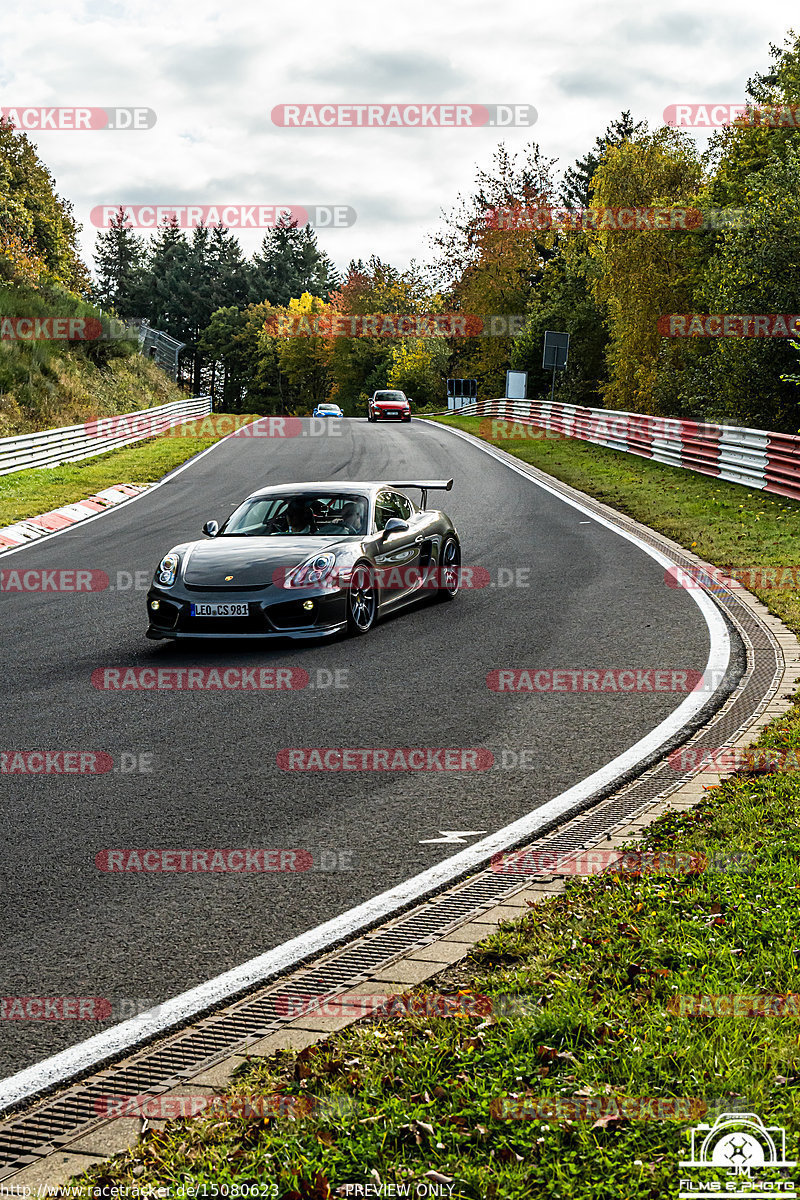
86 1055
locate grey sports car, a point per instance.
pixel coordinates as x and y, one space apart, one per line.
308 560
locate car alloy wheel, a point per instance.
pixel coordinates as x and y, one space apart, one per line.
449 570
362 600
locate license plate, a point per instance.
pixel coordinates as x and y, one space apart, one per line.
220 610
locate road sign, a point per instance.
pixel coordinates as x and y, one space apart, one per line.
516 385
556 350
461 392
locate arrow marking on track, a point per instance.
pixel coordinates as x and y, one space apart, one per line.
451 837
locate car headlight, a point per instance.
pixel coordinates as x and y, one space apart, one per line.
312 572
168 569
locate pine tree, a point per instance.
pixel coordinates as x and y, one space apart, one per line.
119 260
576 185
289 263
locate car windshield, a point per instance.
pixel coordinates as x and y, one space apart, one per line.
323 514
390 396
328 408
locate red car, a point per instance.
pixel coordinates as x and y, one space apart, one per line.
389 406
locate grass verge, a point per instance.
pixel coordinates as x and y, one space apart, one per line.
598 971
28 493
724 523
597 1046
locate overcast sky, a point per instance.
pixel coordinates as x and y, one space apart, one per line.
214 71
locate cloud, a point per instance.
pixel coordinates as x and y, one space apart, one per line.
408 74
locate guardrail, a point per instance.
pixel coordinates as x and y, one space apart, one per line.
71 443
755 458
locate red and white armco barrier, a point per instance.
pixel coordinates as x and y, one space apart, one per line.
71 443
755 458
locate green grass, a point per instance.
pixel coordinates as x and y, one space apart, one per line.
724 523
28 493
597 971
45 384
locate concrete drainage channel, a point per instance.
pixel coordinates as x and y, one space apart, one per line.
262 1021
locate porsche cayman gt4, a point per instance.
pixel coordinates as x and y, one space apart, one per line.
308 560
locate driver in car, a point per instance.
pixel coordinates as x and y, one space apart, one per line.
300 517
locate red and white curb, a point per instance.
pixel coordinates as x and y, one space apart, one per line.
69 514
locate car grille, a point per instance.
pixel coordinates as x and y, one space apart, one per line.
254 623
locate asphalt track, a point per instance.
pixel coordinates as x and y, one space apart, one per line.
593 600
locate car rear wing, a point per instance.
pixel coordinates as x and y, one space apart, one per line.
425 486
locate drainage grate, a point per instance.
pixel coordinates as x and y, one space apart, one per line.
52 1122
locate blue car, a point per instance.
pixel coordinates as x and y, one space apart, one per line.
328 410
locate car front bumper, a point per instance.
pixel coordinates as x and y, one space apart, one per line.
272 613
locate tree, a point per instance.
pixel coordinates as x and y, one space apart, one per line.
755 269
418 366
643 274
290 263
576 187
119 262
564 301
37 229
738 152
359 365
522 180
303 358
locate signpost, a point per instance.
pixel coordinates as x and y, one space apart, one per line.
516 385
556 352
461 392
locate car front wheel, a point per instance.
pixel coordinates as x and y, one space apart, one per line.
362 600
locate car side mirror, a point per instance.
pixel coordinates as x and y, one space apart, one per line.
395 525
211 528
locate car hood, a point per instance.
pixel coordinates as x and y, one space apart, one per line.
252 561
390 404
